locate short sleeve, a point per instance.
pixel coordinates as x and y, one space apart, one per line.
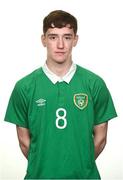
104 109
17 111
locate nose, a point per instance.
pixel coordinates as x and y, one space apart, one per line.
60 43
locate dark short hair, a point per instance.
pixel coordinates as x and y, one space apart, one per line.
59 19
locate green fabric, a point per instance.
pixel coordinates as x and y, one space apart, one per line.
61 118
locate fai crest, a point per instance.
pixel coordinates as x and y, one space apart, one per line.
81 100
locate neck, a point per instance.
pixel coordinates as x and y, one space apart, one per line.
60 69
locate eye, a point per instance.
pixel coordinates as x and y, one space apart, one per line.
52 37
68 37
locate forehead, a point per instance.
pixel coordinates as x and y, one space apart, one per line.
60 31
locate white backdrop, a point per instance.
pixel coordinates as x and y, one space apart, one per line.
100 49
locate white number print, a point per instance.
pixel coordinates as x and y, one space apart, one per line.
59 117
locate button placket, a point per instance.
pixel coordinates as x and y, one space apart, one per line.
61 90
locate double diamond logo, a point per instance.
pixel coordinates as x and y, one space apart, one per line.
41 102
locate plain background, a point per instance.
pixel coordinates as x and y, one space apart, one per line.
100 49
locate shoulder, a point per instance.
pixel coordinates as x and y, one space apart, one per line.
91 78
87 73
29 80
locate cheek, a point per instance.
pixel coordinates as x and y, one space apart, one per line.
51 46
50 49
69 47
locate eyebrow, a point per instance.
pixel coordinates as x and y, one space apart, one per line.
67 34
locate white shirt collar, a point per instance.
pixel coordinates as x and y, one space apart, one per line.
54 78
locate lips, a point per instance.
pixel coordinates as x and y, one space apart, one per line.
60 52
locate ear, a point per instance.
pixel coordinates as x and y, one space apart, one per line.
43 40
75 40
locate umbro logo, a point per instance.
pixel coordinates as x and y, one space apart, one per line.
41 102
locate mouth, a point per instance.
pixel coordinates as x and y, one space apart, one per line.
60 52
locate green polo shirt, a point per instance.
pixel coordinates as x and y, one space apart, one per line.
61 118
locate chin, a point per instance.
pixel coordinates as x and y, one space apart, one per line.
60 61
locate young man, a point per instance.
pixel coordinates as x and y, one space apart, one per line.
61 109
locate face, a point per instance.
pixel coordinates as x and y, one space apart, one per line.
59 43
